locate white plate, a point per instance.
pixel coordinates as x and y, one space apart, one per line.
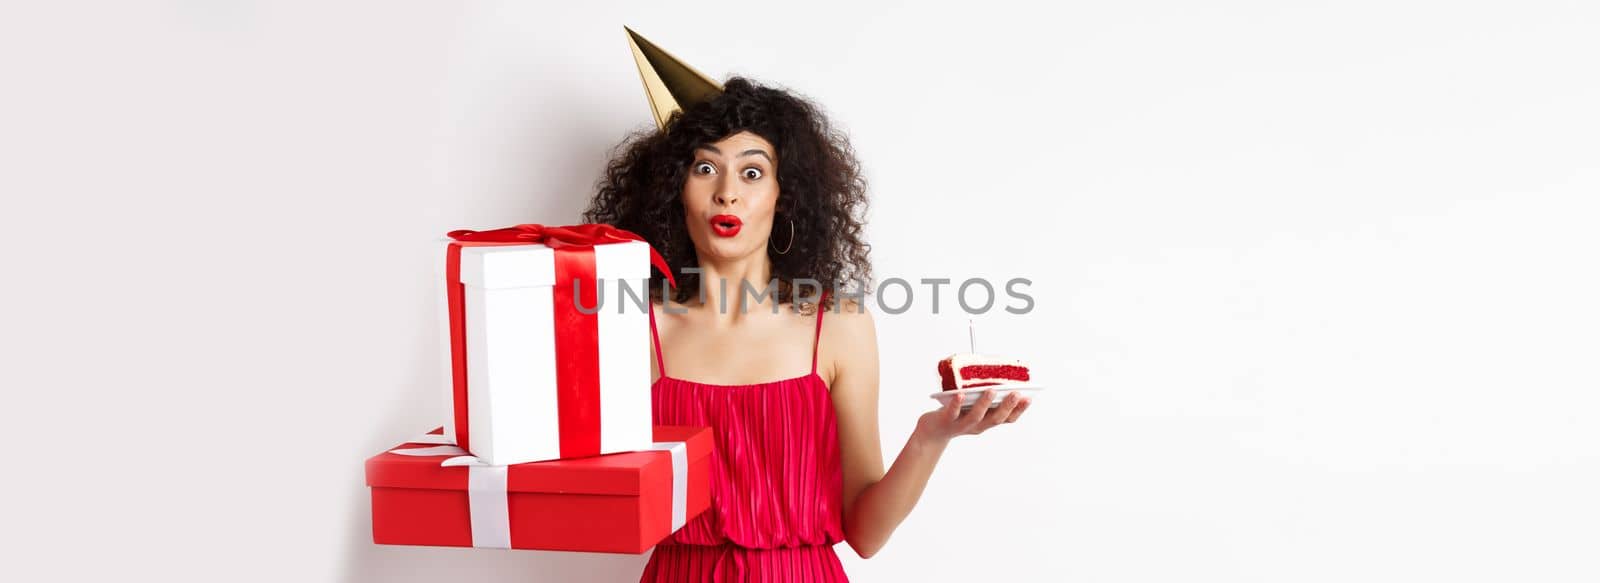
970 396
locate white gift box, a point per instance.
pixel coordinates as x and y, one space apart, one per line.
536 389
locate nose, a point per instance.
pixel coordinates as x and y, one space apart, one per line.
726 193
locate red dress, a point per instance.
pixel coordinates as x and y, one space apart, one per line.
776 486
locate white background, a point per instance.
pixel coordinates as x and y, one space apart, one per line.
1315 282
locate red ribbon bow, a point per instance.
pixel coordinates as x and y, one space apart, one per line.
585 235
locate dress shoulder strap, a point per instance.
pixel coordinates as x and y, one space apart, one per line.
817 341
655 337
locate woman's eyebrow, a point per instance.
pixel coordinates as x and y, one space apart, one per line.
752 151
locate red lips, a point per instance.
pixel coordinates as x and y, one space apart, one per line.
726 225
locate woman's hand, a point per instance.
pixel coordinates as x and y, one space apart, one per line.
947 422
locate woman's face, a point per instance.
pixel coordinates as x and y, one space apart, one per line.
731 195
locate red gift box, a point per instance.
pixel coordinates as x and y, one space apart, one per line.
616 503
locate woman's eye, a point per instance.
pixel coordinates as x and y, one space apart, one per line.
703 168
752 173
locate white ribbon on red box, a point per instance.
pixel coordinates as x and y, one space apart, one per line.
680 479
488 510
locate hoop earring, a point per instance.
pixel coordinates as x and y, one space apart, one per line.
786 247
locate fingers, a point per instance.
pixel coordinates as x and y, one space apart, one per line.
1002 413
997 415
1015 413
952 409
974 416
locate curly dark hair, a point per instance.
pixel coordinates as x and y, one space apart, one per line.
820 187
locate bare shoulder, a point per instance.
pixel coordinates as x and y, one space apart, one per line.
850 344
668 313
848 322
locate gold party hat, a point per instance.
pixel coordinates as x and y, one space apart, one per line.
668 82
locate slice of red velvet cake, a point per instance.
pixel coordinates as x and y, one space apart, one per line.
965 371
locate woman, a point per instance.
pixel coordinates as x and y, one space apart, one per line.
749 187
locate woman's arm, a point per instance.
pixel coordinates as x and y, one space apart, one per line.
875 502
